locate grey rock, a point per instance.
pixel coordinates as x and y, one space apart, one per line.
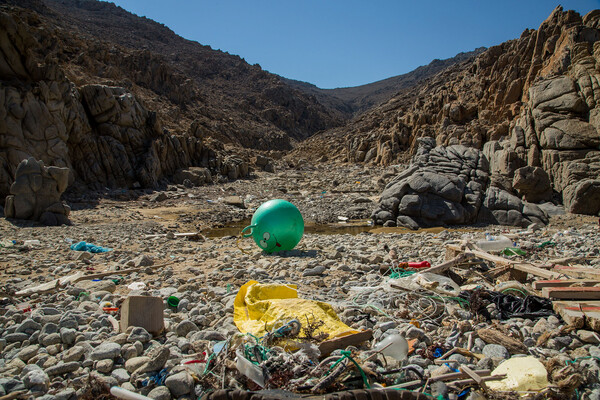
104 366
495 351
49 340
316 271
16 337
63 368
68 335
135 363
28 326
28 352
385 326
68 321
180 383
142 261
37 381
160 393
139 334
158 357
121 375
36 191
485 363
185 327
588 336
208 335
75 353
67 394
108 350
129 351
444 185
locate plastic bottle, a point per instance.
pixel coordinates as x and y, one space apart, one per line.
394 346
494 243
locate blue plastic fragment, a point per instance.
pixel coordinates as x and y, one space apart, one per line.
92 248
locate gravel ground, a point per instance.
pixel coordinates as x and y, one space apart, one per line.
61 343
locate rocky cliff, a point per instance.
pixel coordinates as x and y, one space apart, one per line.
124 102
532 102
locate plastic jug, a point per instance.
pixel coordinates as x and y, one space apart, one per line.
394 346
494 243
276 225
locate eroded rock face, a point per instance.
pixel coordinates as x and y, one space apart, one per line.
444 185
35 194
530 102
104 135
502 208
450 185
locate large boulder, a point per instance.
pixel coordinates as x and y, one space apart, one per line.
533 184
503 208
444 185
35 193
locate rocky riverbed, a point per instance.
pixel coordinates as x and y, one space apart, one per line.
62 342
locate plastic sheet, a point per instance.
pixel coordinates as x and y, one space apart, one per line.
92 248
509 306
436 283
261 308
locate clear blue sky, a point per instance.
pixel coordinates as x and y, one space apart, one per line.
340 43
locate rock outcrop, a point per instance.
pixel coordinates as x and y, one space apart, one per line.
442 186
35 194
449 186
531 102
104 135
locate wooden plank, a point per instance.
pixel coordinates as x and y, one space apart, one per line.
436 269
571 315
144 311
520 266
184 234
51 286
579 313
493 336
59 283
584 293
354 339
478 379
458 375
578 272
470 381
537 271
538 285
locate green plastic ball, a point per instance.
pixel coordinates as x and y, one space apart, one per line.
276 225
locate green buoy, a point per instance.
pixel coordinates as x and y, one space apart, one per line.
276 225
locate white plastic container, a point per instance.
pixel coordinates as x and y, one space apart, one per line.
494 243
394 346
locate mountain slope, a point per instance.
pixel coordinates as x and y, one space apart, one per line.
358 99
235 102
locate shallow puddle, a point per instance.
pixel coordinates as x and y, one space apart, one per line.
348 227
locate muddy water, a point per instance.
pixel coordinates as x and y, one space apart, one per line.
347 227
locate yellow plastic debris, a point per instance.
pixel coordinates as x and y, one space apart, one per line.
259 308
522 374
